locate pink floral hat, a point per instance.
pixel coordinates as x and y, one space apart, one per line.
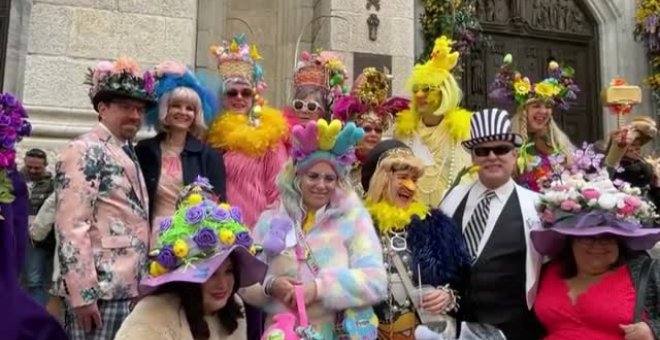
582 201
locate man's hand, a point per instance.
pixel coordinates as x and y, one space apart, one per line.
88 316
637 331
436 302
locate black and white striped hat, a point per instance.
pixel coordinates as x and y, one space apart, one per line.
491 125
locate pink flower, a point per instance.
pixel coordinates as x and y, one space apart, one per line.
633 201
569 205
627 210
548 216
304 56
590 194
104 67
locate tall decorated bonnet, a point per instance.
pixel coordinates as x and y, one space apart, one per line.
198 238
583 201
320 141
510 86
170 75
322 70
438 69
238 61
120 79
369 100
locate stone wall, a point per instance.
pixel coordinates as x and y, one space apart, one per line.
65 37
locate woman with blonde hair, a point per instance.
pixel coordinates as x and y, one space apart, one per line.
176 156
545 144
321 238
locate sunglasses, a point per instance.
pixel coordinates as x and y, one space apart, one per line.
484 151
368 129
245 93
310 106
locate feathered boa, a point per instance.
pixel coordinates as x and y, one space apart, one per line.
437 244
234 132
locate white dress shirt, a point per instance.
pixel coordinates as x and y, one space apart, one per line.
477 192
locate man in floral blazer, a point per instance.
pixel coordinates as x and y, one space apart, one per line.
101 222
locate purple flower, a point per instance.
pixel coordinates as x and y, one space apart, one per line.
25 129
148 82
236 214
205 238
194 214
166 257
5 120
244 239
165 225
219 214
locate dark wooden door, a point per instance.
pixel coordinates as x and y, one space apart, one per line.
534 31
5 6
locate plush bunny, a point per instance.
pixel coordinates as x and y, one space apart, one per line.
275 240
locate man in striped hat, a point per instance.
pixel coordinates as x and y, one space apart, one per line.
496 215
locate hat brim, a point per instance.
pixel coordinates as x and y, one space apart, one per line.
108 95
514 138
551 241
251 270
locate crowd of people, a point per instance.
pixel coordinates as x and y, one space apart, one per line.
348 214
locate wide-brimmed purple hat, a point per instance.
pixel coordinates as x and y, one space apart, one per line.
551 241
251 270
196 241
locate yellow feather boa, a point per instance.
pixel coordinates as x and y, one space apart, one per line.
390 218
233 131
456 122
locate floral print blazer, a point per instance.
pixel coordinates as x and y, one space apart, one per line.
101 223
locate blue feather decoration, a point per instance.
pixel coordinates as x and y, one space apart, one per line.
168 82
347 138
438 248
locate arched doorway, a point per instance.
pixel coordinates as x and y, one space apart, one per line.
533 31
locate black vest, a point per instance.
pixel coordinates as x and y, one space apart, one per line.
495 292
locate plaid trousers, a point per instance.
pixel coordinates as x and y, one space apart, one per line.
113 313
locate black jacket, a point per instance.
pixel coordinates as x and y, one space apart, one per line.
197 159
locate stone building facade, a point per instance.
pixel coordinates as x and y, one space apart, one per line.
51 43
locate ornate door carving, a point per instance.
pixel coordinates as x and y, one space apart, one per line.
534 31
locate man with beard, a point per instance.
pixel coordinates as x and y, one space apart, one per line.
102 222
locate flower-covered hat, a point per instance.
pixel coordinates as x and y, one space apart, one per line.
14 125
369 102
200 236
323 141
510 86
120 79
237 60
170 75
323 70
583 201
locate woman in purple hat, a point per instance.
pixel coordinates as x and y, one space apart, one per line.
599 284
204 254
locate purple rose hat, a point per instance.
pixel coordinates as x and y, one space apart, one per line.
195 242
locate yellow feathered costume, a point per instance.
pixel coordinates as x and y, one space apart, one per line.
443 140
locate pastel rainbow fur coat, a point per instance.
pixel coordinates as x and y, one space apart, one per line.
346 247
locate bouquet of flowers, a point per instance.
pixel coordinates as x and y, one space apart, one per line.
586 187
14 125
647 30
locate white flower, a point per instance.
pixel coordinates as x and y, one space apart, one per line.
607 201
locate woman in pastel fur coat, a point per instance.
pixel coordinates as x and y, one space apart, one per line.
321 237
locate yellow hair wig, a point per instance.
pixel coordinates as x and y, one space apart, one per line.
233 132
397 160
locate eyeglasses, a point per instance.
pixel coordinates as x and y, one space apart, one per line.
316 178
603 240
128 107
311 105
245 93
368 129
499 150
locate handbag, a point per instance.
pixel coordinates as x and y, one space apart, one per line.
286 326
648 264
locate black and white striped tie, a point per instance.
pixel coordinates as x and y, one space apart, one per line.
477 224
